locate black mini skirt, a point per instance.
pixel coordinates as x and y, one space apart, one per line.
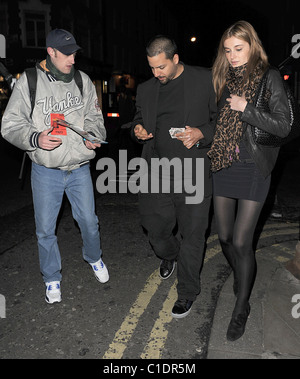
242 181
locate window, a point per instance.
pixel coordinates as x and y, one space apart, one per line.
35 29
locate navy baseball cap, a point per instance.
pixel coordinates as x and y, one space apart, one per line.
63 41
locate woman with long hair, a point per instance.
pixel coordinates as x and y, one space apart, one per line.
242 169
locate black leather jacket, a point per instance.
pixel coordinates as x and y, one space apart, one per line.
276 122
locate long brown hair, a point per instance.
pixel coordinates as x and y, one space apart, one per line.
244 31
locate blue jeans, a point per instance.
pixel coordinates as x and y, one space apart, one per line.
48 188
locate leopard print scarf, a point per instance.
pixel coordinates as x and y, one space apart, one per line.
229 129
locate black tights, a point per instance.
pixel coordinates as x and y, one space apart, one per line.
236 222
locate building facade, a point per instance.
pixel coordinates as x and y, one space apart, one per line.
113 35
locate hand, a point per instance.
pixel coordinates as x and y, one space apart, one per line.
47 142
91 146
141 133
237 103
190 137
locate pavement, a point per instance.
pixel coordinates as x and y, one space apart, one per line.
273 328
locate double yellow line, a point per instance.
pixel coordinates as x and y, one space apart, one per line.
124 334
159 333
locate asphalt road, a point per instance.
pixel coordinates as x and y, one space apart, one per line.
127 318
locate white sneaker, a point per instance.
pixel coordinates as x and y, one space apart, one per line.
53 293
100 271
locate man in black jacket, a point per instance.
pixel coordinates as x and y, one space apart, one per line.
178 97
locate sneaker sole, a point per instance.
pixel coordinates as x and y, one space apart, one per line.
101 281
171 273
52 302
183 315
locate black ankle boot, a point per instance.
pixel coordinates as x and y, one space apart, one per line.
237 325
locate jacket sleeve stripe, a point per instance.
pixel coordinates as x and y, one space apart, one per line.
34 140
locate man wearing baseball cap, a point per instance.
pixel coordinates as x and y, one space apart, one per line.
60 157
61 48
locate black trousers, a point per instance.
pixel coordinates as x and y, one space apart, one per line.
160 215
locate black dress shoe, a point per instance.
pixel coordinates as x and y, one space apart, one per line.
166 268
181 308
237 325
